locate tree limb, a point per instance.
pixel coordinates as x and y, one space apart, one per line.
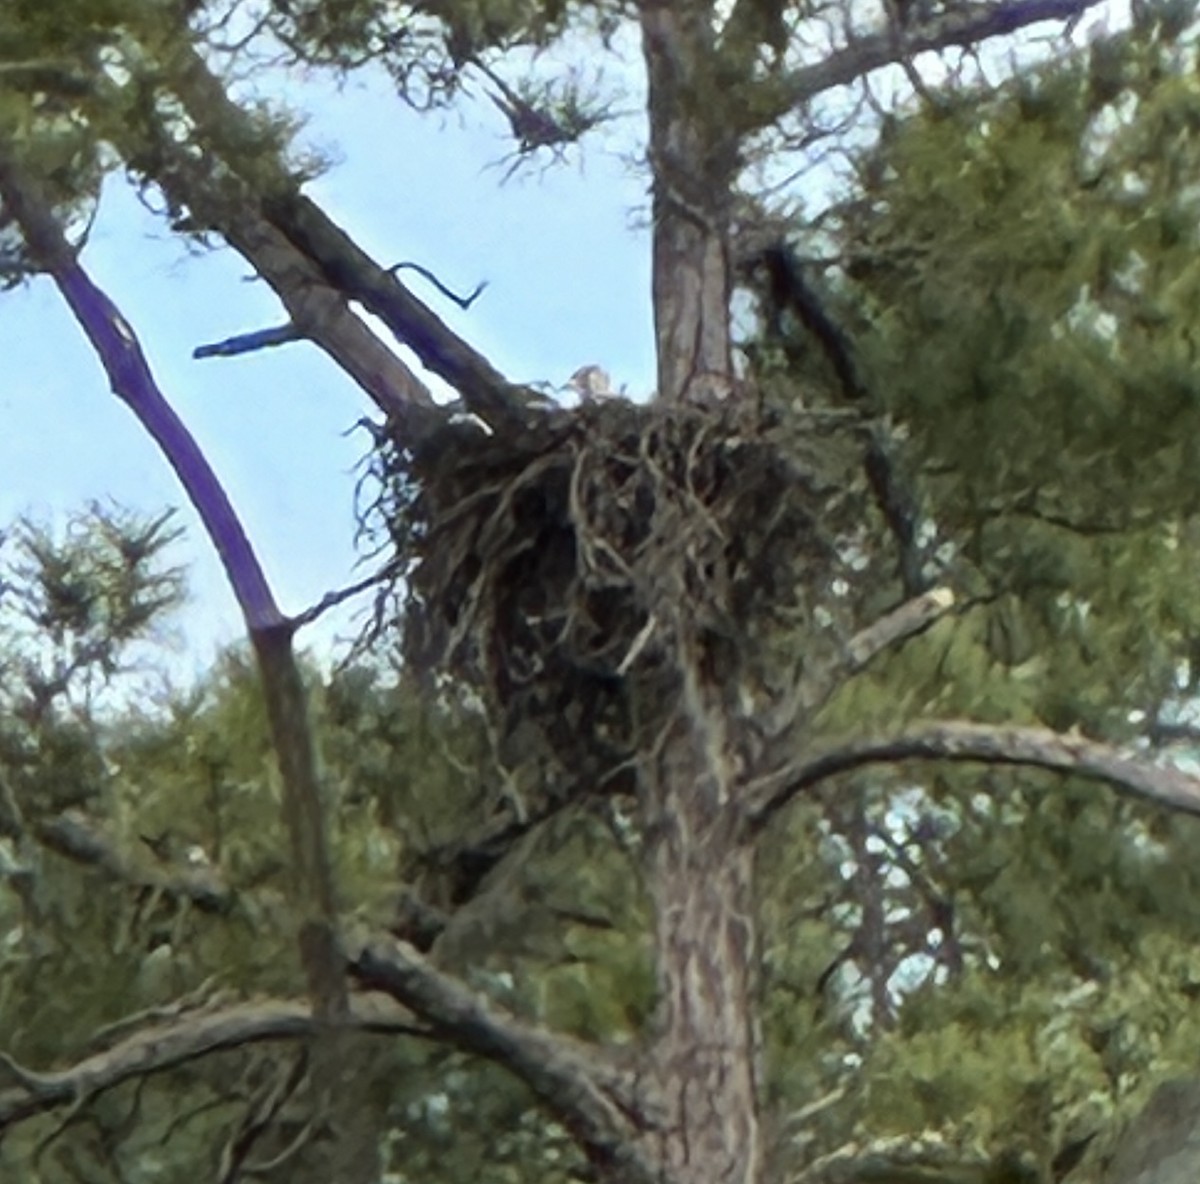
343 264
317 311
245 343
595 1100
966 25
813 689
787 288
129 374
901 623
120 353
164 1046
957 740
70 836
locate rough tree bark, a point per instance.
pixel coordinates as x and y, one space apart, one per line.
703 1054
693 156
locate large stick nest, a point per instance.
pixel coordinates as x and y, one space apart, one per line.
574 574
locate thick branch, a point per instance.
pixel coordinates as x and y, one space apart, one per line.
164 1046
346 267
594 1100
982 743
964 26
317 311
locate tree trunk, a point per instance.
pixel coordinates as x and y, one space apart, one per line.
704 1056
694 161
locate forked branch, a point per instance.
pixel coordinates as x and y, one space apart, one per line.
340 262
155 1047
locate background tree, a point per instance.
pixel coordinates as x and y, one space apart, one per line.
905 530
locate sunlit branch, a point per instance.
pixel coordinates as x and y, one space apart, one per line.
901 623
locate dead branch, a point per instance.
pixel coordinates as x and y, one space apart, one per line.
338 596
901 623
246 343
810 691
962 741
317 311
164 1046
339 262
463 302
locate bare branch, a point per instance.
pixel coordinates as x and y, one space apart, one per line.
133 383
811 690
589 1095
900 624
965 26
245 343
463 302
317 311
337 596
958 740
342 264
165 1046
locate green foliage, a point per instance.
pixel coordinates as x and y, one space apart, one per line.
1000 959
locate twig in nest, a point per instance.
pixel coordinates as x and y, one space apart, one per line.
639 644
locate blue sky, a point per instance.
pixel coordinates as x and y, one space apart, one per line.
568 284
565 252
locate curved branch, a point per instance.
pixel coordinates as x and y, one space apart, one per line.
132 382
592 1098
164 1046
965 26
119 352
956 740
